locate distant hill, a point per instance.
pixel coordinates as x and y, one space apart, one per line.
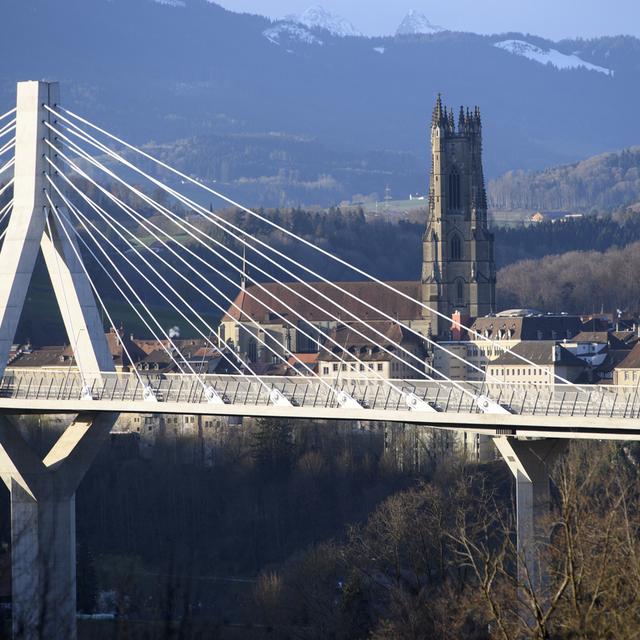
575 282
189 69
604 182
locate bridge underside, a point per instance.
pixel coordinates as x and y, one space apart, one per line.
601 428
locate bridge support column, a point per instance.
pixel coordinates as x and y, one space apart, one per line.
43 568
530 462
43 546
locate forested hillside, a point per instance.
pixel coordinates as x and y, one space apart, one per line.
386 249
575 282
289 170
603 182
597 233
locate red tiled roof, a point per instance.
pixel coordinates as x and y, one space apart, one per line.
252 304
632 361
307 358
364 340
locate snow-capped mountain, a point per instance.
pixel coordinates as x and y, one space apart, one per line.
317 17
550 56
415 23
290 31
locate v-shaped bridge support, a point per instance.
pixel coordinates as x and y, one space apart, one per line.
43 541
43 491
33 227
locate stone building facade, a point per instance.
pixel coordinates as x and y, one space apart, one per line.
458 272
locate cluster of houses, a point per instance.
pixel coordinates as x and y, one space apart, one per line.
347 339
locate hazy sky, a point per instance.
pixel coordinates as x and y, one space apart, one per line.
551 18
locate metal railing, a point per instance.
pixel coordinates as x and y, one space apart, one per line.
534 400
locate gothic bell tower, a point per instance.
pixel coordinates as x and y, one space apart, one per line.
458 269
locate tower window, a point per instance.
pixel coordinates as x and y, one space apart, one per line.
454 189
456 248
253 351
459 290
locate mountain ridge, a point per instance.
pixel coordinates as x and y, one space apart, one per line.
602 182
157 72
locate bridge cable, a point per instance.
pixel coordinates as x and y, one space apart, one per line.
146 223
175 292
6 186
303 240
74 210
59 217
83 220
99 210
224 228
8 113
7 128
3 214
422 373
10 144
95 207
6 166
64 293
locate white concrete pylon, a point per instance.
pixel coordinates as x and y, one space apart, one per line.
31 228
530 461
43 549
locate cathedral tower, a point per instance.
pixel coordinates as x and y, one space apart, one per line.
458 270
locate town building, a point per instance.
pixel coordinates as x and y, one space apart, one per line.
467 355
458 271
538 362
627 372
25 357
262 315
364 354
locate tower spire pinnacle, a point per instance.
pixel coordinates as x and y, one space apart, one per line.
437 112
243 276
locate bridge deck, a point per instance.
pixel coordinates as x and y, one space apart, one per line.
548 410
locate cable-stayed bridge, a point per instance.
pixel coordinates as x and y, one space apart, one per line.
559 411
81 196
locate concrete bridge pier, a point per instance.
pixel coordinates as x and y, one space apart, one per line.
530 462
43 545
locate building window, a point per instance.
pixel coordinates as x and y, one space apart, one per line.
454 189
335 366
325 370
456 247
459 290
379 366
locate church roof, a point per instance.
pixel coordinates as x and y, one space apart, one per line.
632 361
251 303
363 341
540 352
527 327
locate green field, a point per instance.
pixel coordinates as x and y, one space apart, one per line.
41 321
